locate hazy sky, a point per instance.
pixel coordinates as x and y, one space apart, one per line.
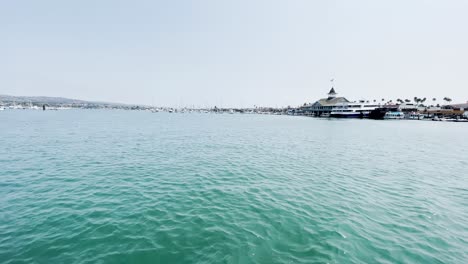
234 53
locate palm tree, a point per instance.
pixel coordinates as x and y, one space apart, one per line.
407 100
383 99
434 99
421 101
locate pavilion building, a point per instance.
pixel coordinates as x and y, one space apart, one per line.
324 106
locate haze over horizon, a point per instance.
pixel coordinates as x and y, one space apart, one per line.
242 53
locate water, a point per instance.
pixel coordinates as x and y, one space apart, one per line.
135 187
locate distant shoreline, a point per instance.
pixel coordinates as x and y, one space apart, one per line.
420 112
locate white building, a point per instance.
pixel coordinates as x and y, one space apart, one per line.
324 106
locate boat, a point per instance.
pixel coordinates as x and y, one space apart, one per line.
2 108
379 113
359 109
394 115
437 118
414 116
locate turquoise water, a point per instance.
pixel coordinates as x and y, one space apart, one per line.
136 187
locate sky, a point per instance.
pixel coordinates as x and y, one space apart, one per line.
234 53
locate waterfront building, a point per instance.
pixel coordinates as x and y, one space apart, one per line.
446 110
324 106
457 107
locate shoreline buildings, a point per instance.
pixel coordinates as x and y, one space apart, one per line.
340 107
324 106
335 106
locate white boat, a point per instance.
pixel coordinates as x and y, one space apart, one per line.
436 118
414 116
359 109
394 115
15 106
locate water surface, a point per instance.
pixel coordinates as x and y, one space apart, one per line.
84 186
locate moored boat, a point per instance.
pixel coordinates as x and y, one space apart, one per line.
359 109
379 113
414 116
394 115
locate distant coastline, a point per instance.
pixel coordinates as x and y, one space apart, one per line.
331 106
38 102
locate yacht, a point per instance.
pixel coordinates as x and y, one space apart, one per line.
358 109
379 112
414 116
394 115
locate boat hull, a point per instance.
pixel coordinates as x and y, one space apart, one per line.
349 115
377 114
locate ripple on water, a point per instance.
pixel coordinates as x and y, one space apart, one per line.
144 188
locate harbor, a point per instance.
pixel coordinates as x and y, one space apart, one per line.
334 106
331 106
